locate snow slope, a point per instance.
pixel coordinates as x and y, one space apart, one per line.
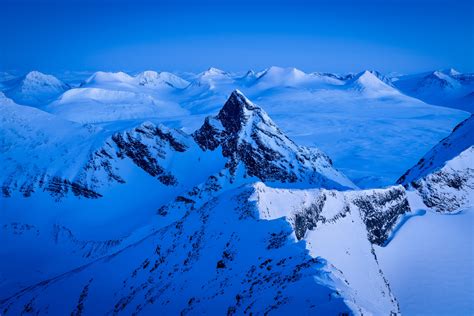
154 79
445 175
342 227
98 105
207 262
429 264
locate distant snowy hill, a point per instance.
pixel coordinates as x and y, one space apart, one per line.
155 79
150 79
292 77
372 83
97 105
442 87
34 88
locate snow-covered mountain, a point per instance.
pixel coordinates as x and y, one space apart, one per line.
102 78
154 79
445 175
84 158
442 87
291 77
212 79
149 194
34 88
81 170
97 105
248 137
314 109
206 262
372 83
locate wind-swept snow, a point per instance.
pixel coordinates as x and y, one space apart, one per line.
429 264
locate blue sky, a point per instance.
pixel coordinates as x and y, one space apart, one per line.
339 36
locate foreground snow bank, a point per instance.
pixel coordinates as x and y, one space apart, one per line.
429 264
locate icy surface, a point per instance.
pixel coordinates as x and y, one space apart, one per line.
429 264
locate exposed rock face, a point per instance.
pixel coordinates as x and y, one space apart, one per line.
245 134
343 228
444 177
147 146
381 210
249 137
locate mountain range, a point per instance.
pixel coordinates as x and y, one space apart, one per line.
140 194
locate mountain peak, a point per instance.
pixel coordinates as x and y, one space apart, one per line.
450 72
373 75
155 79
275 71
248 137
34 74
370 81
235 111
212 71
439 80
103 77
36 77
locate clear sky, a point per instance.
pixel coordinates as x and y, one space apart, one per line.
339 36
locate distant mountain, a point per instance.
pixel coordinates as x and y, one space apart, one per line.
108 96
445 175
438 80
34 88
292 77
212 79
155 79
101 78
95 105
372 83
442 87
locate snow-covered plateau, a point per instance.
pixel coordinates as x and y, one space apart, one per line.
267 192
